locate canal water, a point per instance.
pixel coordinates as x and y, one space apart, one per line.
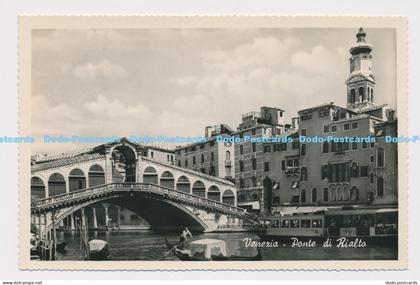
146 245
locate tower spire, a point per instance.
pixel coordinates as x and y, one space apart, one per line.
361 81
361 36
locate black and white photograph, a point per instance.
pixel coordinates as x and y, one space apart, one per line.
224 143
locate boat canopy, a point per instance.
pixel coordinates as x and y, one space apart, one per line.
205 248
97 244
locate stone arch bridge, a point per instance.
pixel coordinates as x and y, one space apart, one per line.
166 196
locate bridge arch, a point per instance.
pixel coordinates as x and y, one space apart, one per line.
56 184
167 180
199 188
228 197
96 175
213 193
124 161
150 175
77 180
38 190
183 184
160 214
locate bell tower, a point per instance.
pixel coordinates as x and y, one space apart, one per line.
361 81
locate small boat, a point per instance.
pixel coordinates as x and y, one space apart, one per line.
207 250
98 250
61 247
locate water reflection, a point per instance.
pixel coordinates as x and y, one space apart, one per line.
145 245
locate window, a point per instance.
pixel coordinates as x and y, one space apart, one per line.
380 157
303 196
151 154
314 195
283 146
325 147
284 223
283 165
333 128
325 196
303 150
254 164
254 147
326 129
305 223
380 186
303 132
372 145
294 223
193 160
354 170
274 223
364 171
354 194
241 165
186 162
361 94
241 183
253 131
364 145
202 158
372 159
303 174
354 145
266 166
212 156
346 127
352 96
317 223
241 149
295 145
228 155
179 163
354 125
254 181
254 196
333 146
267 148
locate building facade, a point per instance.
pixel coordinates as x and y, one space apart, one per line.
346 172
210 157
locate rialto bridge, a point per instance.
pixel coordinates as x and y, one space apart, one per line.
118 174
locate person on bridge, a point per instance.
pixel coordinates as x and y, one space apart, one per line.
184 239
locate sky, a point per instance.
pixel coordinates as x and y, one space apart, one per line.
175 82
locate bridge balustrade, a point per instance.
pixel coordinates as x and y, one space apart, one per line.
127 187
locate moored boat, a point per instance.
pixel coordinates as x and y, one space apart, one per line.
375 226
98 250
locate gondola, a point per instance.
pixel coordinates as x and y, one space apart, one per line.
184 256
99 250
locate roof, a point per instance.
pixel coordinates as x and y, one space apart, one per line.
197 173
323 106
65 161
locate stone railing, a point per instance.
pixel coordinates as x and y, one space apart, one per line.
115 188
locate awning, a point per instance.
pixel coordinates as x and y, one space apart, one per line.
387 210
254 205
358 212
288 211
